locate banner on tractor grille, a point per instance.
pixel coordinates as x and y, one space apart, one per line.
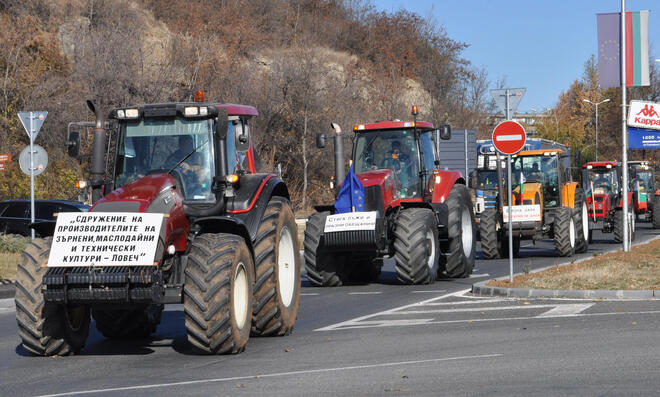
350 221
523 213
105 239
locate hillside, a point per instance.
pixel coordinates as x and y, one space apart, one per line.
302 63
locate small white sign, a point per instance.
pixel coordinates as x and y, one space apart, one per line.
522 213
644 114
105 239
350 221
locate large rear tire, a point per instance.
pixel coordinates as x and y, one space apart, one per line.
581 218
45 329
323 269
459 257
656 212
416 246
128 324
564 229
217 300
490 245
277 259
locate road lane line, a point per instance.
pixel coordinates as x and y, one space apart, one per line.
566 310
474 302
475 309
388 311
479 275
309 294
273 375
365 293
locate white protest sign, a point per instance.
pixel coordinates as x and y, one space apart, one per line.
105 239
350 221
523 213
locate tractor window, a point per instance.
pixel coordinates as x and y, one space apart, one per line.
487 179
539 169
645 180
601 180
428 149
236 161
152 146
395 150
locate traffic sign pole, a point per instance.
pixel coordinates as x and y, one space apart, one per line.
31 134
509 201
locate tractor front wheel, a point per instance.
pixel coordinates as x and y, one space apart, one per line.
217 301
564 230
323 268
277 285
46 329
416 246
490 246
461 245
581 217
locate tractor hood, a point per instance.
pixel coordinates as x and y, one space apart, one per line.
380 188
141 192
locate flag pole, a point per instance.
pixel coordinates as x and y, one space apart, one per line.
624 132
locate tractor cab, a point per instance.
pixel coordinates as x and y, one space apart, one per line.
537 177
601 179
406 154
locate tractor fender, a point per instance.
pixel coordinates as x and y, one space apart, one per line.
441 182
252 197
568 194
222 224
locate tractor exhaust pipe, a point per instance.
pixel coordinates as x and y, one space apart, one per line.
98 154
340 169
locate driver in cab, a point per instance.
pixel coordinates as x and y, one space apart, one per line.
192 168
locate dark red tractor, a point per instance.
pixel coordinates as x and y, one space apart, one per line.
602 180
408 208
223 240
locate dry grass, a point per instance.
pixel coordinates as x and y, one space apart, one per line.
8 262
638 269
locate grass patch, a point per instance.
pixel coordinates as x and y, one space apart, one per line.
638 269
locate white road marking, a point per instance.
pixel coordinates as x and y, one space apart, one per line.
474 302
365 293
566 310
273 375
310 294
479 275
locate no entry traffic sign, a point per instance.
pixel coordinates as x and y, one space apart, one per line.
509 137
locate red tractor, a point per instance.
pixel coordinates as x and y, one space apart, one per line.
222 238
409 209
602 180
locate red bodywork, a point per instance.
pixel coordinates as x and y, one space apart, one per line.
144 191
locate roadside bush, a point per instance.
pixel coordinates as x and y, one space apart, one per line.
12 243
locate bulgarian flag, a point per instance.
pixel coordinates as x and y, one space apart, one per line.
637 49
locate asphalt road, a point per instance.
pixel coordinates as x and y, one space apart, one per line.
379 339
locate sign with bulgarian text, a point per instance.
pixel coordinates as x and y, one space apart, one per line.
644 114
350 221
105 239
639 138
523 213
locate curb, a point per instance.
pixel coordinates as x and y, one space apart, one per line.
482 289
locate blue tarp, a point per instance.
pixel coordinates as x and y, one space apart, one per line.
351 194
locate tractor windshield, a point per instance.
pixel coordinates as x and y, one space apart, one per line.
151 146
642 179
540 169
391 149
601 180
487 179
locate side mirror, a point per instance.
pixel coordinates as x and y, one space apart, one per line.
473 180
320 140
445 133
242 137
73 143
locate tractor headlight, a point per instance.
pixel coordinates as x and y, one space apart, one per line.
132 113
190 111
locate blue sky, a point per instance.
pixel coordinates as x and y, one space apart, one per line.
541 45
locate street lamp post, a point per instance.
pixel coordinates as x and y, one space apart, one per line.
596 103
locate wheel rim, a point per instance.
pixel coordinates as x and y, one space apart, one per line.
585 221
286 266
75 317
571 232
240 295
466 232
430 240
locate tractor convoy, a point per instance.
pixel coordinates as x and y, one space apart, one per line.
184 216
